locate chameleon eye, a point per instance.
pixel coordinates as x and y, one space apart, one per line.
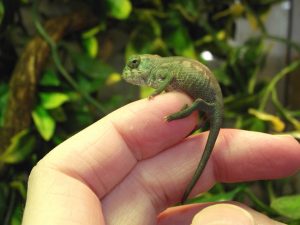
134 62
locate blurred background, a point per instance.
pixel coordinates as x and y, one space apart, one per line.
60 65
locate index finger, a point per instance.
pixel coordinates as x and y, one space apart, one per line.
104 153
67 184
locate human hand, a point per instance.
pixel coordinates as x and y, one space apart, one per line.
130 166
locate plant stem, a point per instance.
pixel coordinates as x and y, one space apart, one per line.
285 71
259 203
286 114
10 208
283 40
58 63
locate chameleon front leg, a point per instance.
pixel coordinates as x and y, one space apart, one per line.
198 104
163 85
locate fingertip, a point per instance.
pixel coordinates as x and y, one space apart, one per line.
143 126
223 214
261 155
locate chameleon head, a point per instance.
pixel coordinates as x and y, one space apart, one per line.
138 69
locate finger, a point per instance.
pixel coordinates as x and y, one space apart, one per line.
159 182
238 156
214 213
104 153
248 155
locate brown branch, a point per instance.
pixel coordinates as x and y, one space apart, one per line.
25 77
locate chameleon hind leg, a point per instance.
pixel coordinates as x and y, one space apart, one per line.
198 104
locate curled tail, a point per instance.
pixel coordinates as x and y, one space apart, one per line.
215 125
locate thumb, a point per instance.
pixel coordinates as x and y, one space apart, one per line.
231 214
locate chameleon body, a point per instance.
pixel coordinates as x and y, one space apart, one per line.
184 75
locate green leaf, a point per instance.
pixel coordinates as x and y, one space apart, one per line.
119 9
222 76
113 79
50 78
288 206
188 9
21 146
93 31
256 124
16 218
3 101
44 123
145 92
59 114
179 39
88 86
91 46
92 68
52 100
2 11
114 102
226 196
20 186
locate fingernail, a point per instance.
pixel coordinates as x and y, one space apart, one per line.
223 214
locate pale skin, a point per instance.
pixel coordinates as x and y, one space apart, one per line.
121 171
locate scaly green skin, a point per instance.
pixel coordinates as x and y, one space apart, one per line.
184 75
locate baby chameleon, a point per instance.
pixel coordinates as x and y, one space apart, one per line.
184 75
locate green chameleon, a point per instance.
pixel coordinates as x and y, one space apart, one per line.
184 75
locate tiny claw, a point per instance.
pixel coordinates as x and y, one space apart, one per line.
167 118
150 97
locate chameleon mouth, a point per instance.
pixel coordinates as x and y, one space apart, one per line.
132 76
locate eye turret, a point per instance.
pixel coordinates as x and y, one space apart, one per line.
134 62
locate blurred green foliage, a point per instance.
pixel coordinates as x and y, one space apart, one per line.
81 81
